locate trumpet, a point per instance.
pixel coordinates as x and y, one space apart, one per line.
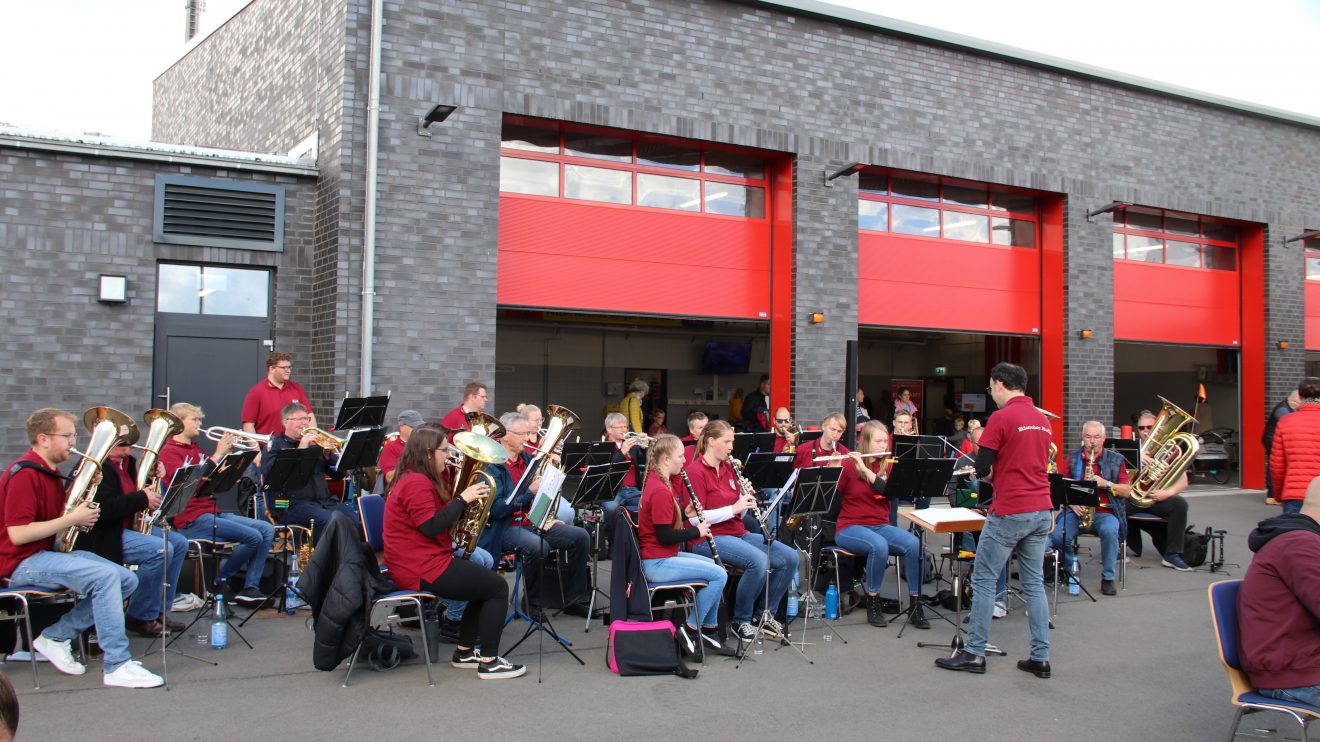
244 441
642 440
326 439
841 457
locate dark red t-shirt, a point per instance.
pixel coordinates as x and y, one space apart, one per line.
27 497
716 488
689 451
173 456
264 401
862 506
455 420
411 555
659 506
390 454
807 453
781 443
1020 435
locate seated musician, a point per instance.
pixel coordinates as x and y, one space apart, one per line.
722 498
121 502
535 419
1169 504
419 512
662 529
202 519
863 527
311 501
627 449
786 441
1110 476
504 532
831 431
392 451
32 502
696 423
905 424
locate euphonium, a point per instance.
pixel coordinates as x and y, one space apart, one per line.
325 439
481 424
1087 518
108 426
160 426
1171 451
562 421
478 452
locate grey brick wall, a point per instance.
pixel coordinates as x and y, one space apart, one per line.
739 74
68 218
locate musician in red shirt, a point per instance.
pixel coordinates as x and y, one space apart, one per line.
826 446
864 529
696 422
32 501
420 551
662 530
723 499
474 400
266 398
392 451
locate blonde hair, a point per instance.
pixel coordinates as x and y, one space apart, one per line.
662 446
836 417
183 409
714 429
868 430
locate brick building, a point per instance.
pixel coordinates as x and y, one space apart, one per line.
620 185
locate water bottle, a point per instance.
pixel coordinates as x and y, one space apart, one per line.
792 608
1074 586
219 629
292 601
832 602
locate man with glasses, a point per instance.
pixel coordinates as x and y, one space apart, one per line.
312 501
1169 504
266 399
1108 472
475 396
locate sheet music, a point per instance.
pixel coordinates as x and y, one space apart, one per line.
519 486
788 486
935 516
551 481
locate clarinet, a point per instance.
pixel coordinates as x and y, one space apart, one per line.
701 516
745 487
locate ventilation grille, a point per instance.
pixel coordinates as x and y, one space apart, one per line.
219 213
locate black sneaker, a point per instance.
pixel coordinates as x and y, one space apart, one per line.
466 659
250 596
685 640
746 632
498 668
1107 587
771 628
711 642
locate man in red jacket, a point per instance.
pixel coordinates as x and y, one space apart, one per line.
1295 455
1279 605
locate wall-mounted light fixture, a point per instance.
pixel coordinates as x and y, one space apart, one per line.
1283 345
1308 234
817 318
849 169
1114 206
1086 334
437 114
113 289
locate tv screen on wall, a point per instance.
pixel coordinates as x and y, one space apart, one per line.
726 358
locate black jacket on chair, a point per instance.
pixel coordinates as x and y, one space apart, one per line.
106 539
629 600
339 584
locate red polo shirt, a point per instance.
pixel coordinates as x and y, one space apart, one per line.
807 453
1020 436
411 555
781 443
659 506
689 448
862 506
174 455
264 402
716 487
27 497
455 420
390 454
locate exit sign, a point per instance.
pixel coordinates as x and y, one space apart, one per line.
940 370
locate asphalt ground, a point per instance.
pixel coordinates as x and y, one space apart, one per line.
1138 666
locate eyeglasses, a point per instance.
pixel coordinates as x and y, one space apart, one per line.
284 368
298 419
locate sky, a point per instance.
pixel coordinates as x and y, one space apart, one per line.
86 66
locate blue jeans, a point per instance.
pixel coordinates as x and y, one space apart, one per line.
304 512
146 552
1106 527
877 543
253 537
686 566
1308 694
1002 533
101 586
1291 507
628 497
747 552
454 609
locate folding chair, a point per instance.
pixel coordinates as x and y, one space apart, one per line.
24 596
1223 611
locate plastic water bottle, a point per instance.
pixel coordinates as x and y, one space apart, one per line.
1074 586
792 608
832 602
219 629
292 602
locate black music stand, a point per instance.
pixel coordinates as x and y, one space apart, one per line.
598 483
769 471
1065 493
362 412
918 447
361 450
918 480
810 436
1131 451
815 494
175 501
576 457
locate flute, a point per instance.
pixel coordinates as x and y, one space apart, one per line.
701 516
841 457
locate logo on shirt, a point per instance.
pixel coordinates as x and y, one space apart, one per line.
1023 428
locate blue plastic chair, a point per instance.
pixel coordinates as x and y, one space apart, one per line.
1223 611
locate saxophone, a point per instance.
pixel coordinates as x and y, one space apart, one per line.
1087 519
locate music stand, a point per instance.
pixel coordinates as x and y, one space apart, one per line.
815 494
769 471
917 480
175 501
362 412
291 469
598 483
745 444
1131 451
810 436
361 450
1065 493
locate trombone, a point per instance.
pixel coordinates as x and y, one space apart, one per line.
243 440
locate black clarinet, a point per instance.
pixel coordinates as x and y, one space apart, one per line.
701 516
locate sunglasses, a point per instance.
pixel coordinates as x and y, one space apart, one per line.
783 420
1145 427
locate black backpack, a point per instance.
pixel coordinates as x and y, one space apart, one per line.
386 649
1195 546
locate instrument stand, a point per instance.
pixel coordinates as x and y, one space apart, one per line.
1217 553
540 623
283 587
598 484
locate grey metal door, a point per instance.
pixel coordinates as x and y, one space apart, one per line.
210 361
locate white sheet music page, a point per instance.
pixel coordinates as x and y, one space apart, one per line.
935 516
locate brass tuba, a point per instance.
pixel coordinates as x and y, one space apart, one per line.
108 427
1171 451
160 426
478 452
562 421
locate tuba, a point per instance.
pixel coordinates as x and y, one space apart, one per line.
1171 451
108 427
562 421
160 426
478 452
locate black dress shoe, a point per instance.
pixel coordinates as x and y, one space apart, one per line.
575 609
964 661
1040 669
1107 587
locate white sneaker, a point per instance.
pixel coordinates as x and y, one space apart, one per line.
59 655
132 674
1001 610
186 602
24 656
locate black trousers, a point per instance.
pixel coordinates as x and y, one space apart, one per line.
1174 510
486 592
